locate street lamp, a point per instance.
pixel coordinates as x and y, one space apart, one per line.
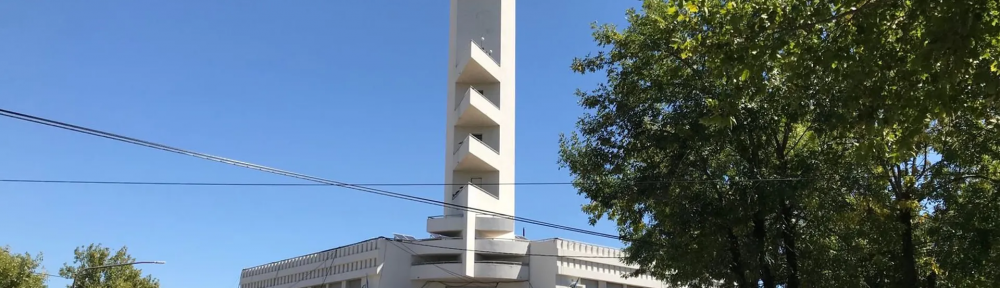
112 265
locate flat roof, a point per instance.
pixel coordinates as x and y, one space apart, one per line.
304 255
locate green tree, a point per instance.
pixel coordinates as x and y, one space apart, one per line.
94 255
844 102
20 270
965 224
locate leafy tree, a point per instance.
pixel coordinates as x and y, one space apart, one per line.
94 255
20 270
843 102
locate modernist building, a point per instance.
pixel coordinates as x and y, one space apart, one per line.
467 248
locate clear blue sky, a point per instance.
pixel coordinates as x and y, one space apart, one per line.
302 85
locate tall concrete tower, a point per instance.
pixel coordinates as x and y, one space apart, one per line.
480 128
470 249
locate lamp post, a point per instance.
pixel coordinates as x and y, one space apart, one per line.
111 265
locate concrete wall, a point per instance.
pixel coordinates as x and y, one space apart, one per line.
489 178
491 136
580 260
507 108
479 20
490 90
395 267
542 274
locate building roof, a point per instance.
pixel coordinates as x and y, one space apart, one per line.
310 254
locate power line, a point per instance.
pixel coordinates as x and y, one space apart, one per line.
246 184
409 251
130 140
52 275
505 253
160 183
153 183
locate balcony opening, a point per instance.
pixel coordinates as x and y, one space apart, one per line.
488 91
493 188
450 234
489 136
436 259
478 182
502 259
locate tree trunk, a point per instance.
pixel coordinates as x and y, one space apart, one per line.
737 266
760 234
786 214
908 261
904 216
791 250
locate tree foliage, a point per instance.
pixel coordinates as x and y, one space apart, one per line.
821 143
20 270
94 255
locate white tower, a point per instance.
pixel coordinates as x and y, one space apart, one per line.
480 128
476 249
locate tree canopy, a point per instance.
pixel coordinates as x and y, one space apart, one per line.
821 143
94 255
20 270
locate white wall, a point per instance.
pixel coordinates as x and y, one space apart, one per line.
578 260
507 108
480 19
489 179
395 267
490 91
491 136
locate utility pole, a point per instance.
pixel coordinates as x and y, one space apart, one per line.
109 266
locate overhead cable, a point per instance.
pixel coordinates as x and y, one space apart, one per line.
135 141
162 183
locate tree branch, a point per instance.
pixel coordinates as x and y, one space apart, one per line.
806 25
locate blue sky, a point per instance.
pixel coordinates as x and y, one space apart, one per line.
303 85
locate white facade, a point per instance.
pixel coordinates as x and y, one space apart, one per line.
467 248
383 262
